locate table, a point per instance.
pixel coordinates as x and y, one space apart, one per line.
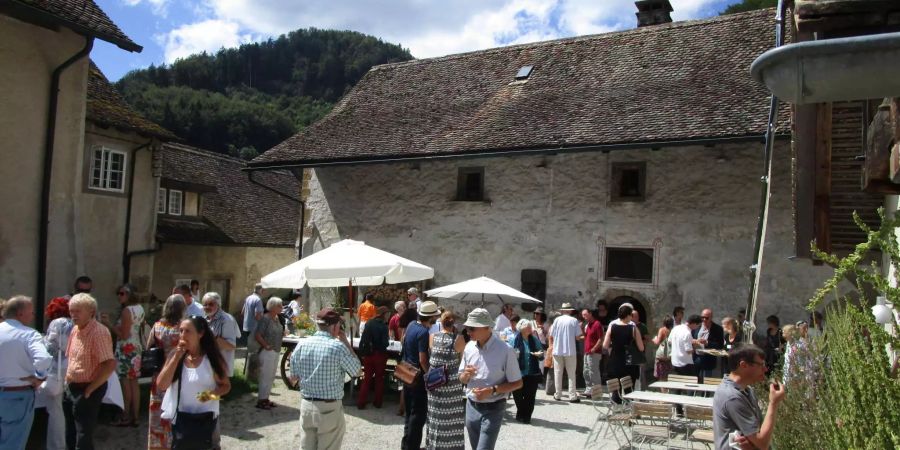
684 386
290 342
650 396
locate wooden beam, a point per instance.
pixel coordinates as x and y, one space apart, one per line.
821 208
804 148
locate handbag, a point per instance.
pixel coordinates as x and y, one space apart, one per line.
407 373
662 352
436 377
152 359
192 431
53 385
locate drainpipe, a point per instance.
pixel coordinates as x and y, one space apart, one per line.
44 223
126 259
302 209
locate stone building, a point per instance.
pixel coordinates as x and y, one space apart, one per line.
620 166
219 226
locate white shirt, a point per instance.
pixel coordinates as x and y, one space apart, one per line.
564 331
501 323
195 381
496 364
680 347
295 308
194 309
24 354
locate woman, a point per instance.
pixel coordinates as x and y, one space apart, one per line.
165 334
58 331
196 372
128 353
733 339
530 353
619 337
268 334
446 404
540 326
774 343
663 361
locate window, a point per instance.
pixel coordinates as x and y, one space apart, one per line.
628 182
470 184
175 202
191 203
107 169
534 283
629 264
161 201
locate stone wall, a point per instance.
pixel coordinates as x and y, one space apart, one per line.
554 213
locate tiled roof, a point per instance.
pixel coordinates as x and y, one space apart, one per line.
83 16
237 211
672 82
107 108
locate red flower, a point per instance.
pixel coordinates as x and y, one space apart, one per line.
128 348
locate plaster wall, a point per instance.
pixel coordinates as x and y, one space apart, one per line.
554 213
30 54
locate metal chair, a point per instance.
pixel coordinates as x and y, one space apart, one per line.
712 381
619 415
651 423
699 425
683 378
627 384
601 401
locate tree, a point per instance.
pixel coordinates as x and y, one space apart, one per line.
749 5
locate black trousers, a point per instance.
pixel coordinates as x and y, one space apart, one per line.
524 397
416 403
689 370
81 415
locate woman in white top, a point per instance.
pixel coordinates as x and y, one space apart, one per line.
197 369
56 340
128 352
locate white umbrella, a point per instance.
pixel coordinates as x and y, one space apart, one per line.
482 288
347 263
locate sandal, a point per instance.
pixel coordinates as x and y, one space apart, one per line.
271 404
262 405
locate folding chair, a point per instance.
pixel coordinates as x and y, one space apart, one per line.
619 415
699 425
683 378
712 381
651 423
601 401
627 385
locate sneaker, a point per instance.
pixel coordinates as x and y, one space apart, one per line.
575 400
557 398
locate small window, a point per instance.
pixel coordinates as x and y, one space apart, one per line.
629 264
628 182
175 202
191 203
161 201
107 169
470 184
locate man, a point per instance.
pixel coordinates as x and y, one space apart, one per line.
252 311
394 324
319 365
563 334
409 316
678 315
490 371
195 292
366 312
593 345
191 308
373 348
681 346
735 408
603 313
502 322
83 285
25 364
714 335
223 327
412 294
415 352
91 362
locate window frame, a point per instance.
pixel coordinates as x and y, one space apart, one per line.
162 194
180 202
462 177
606 265
615 176
105 156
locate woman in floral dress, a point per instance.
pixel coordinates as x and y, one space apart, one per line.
165 334
128 353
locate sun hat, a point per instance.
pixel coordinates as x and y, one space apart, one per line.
327 316
412 290
479 318
429 309
566 307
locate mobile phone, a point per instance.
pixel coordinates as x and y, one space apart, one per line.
776 385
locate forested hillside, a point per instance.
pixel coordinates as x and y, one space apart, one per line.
245 100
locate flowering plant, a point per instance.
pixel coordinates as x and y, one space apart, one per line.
303 322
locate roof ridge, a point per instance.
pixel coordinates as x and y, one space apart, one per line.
585 37
204 152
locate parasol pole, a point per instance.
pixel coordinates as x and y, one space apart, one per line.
350 306
482 299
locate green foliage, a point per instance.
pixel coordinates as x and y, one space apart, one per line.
240 386
749 5
253 97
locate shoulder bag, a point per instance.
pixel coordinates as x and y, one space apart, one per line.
192 431
152 359
633 356
407 373
436 377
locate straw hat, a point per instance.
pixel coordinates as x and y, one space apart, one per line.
566 307
429 309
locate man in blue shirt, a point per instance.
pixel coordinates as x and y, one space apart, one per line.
415 397
320 364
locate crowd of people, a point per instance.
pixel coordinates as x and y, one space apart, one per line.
464 371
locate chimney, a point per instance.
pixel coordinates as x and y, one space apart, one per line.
653 12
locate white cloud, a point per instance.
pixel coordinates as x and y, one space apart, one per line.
209 35
159 7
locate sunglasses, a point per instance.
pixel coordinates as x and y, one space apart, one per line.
122 293
705 317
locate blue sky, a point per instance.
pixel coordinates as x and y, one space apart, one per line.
169 29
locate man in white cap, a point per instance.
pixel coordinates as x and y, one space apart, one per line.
415 398
413 295
563 334
490 370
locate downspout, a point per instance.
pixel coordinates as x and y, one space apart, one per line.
126 258
749 325
302 209
44 224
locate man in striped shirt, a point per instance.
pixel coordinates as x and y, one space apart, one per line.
319 364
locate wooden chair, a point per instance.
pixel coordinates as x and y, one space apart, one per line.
683 378
627 385
651 423
601 401
712 381
619 415
699 425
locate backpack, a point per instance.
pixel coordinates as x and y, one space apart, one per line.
366 344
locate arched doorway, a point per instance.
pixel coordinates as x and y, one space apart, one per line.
613 306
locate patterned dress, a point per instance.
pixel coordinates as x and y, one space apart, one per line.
446 404
128 351
160 433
